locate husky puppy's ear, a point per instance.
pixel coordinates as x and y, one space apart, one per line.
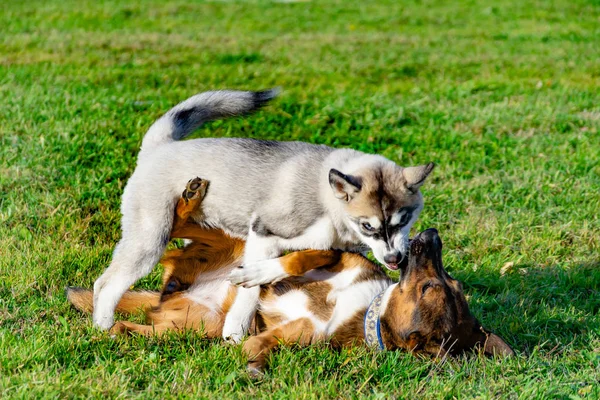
345 187
415 176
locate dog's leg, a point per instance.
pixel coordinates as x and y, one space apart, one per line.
188 204
134 257
242 311
257 348
276 269
126 327
146 232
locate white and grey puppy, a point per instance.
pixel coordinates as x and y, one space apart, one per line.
277 195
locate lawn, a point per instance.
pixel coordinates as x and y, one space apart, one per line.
503 96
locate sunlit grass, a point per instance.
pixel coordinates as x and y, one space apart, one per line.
503 97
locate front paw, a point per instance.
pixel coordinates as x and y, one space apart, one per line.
104 323
258 273
233 334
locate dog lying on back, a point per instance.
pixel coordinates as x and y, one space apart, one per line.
330 296
278 196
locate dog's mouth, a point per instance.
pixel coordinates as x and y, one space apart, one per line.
392 267
426 240
402 264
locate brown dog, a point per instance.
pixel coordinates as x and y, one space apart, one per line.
330 296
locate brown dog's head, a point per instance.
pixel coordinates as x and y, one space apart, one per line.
427 311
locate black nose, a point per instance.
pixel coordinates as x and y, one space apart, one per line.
391 258
430 235
428 239
427 236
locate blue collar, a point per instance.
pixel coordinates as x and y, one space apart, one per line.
372 324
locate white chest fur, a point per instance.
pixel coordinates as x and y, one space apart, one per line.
211 289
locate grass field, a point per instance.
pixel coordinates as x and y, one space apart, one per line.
503 97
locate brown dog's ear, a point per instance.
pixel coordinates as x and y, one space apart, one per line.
345 187
494 345
415 176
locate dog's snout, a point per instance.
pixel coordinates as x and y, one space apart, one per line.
430 235
427 237
392 258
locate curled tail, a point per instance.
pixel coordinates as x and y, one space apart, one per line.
188 115
131 302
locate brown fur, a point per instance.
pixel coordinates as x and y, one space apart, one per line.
257 348
316 292
435 321
351 332
130 303
428 312
296 263
210 250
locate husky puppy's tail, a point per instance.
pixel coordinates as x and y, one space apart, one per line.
190 114
131 302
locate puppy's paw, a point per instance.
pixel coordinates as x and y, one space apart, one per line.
233 337
195 189
234 329
104 323
258 273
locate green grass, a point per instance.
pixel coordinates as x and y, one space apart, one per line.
503 96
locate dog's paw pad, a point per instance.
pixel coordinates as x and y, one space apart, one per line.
193 184
195 189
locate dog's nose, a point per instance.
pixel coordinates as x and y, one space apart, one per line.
427 240
430 235
427 236
391 258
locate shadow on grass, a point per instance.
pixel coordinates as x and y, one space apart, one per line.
552 308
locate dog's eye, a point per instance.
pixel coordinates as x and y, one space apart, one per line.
425 287
171 287
367 227
405 219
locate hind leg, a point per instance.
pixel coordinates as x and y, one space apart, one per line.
189 203
126 327
257 348
133 259
146 224
146 232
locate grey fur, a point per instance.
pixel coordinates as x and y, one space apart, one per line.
190 114
244 179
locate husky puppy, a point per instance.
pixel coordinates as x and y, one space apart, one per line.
277 196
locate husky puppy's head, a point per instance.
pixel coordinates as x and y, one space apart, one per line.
381 202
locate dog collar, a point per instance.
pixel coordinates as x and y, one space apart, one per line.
372 323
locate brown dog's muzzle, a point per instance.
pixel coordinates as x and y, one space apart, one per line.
425 253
